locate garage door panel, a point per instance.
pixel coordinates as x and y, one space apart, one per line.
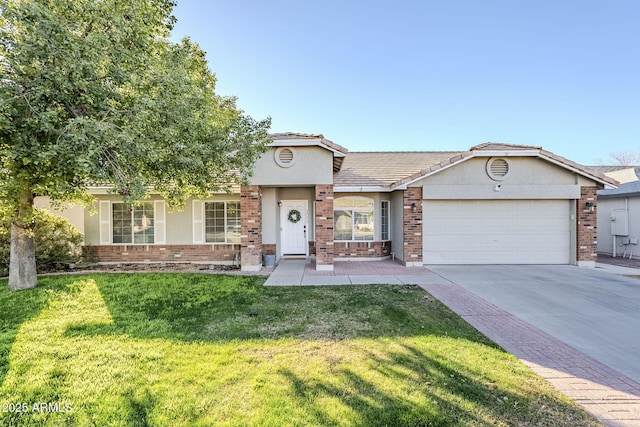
497 232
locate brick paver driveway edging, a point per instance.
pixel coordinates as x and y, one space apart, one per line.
610 396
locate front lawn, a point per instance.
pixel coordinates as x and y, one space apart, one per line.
189 349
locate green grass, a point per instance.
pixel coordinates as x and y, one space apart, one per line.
187 349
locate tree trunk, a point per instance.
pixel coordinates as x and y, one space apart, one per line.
22 261
22 264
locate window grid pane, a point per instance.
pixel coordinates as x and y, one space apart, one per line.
384 221
214 222
132 224
121 223
354 218
222 222
233 222
143 223
363 225
342 225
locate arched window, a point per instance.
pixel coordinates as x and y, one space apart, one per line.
353 218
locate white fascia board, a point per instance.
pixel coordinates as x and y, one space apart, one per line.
305 142
361 189
578 171
297 142
477 153
535 153
100 190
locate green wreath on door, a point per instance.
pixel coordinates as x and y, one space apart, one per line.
294 216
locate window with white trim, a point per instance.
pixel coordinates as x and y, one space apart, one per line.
353 218
222 222
384 220
132 223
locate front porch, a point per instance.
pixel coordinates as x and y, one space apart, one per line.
290 272
286 221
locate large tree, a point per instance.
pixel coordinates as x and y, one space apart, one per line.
95 92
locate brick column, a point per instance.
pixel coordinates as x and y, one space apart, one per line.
586 228
324 227
412 226
251 228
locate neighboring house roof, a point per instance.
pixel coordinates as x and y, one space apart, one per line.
624 190
294 139
610 168
395 170
620 173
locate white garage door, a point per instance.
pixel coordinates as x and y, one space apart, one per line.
496 232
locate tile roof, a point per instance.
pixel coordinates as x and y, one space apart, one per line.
502 146
391 169
383 168
318 136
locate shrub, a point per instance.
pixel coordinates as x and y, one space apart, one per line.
57 241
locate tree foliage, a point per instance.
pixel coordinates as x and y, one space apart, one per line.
95 92
58 243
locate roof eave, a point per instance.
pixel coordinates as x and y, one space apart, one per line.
301 140
506 152
431 170
362 189
579 169
618 195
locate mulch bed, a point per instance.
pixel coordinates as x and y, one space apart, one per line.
162 268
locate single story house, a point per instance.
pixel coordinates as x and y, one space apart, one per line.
619 219
493 204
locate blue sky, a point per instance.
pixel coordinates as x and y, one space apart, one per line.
431 75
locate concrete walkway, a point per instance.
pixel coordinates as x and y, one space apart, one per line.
294 272
609 395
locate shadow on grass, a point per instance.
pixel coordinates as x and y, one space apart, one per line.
206 308
17 307
388 368
446 394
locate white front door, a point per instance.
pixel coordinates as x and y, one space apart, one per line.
294 227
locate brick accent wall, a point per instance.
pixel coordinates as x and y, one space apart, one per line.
586 227
269 249
412 225
362 249
251 227
324 227
165 253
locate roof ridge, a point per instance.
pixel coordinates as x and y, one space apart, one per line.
407 151
505 145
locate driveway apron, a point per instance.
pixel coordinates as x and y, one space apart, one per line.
579 328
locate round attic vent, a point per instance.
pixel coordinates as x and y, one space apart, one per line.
497 168
285 157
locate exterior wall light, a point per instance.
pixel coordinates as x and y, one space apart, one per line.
414 207
590 207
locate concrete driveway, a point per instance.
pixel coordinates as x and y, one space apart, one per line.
592 310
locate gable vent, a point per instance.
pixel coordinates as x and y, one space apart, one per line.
497 169
285 157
